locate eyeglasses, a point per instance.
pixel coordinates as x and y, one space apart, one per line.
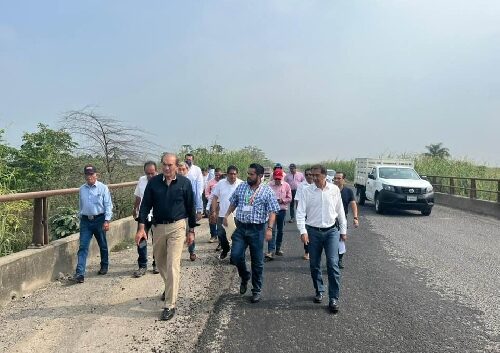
309 174
337 178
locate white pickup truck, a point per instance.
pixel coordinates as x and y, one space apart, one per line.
392 183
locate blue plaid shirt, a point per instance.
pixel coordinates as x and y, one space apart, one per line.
262 201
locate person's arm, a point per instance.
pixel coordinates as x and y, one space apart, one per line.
339 208
108 208
288 195
270 225
137 203
354 208
300 216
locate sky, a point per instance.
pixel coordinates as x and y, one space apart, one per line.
304 81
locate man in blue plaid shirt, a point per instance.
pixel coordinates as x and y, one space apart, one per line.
255 204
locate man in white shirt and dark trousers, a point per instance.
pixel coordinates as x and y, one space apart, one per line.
150 170
321 203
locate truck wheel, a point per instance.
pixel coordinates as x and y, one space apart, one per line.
378 207
427 211
360 196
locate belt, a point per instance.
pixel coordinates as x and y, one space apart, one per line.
321 229
92 217
169 221
248 225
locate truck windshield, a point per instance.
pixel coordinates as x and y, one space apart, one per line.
397 173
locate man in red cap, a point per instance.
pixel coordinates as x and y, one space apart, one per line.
283 194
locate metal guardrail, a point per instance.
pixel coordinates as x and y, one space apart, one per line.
40 208
474 188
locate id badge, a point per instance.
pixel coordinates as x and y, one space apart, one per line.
247 208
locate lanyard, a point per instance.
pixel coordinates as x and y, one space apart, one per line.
250 198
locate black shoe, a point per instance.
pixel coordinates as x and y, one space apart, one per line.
218 248
163 296
268 257
243 287
223 254
333 305
77 279
255 298
140 272
167 314
102 271
155 270
279 252
341 263
318 298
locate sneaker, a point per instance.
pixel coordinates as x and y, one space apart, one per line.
279 253
192 256
243 287
333 305
255 298
318 298
306 257
155 270
77 279
223 254
102 271
167 314
140 272
218 248
268 257
212 240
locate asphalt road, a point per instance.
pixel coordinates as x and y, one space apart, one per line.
411 284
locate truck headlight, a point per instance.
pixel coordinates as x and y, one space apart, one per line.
388 187
429 189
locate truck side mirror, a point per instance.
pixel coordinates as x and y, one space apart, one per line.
371 176
423 177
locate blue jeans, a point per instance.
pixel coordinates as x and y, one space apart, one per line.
213 230
192 247
328 240
89 228
249 235
142 260
277 240
292 204
221 233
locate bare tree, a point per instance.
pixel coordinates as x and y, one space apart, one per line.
109 138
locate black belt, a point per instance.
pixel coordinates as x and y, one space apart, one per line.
321 229
92 217
249 225
169 221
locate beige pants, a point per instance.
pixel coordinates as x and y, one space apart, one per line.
168 243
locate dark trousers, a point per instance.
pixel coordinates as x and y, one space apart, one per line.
221 233
142 260
89 228
277 239
252 236
292 204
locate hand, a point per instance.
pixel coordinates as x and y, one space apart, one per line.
190 238
198 216
269 234
224 222
343 237
139 235
305 238
105 226
355 223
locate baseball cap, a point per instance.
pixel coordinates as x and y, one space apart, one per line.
89 169
278 174
278 165
292 165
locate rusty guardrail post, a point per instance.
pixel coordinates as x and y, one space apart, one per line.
472 188
45 208
452 186
498 191
38 236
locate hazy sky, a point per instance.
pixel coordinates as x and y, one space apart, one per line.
303 80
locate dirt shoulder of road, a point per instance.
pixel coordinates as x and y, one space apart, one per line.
116 312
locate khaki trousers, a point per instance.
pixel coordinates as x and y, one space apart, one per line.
168 243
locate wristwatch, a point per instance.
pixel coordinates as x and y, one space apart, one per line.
355 218
269 227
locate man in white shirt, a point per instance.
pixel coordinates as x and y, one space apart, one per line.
221 193
196 176
142 249
321 203
300 189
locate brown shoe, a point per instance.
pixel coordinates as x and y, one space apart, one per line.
192 256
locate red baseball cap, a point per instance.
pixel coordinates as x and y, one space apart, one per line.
278 174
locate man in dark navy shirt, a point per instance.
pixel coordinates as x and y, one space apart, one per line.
347 199
171 197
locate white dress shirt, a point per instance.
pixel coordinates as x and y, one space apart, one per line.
195 175
322 208
223 190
